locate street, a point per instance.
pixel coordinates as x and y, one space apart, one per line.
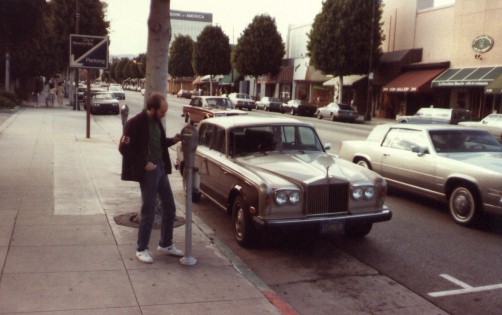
453 267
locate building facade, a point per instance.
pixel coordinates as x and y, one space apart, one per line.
191 24
442 53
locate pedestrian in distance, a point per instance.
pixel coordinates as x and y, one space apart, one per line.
60 93
145 159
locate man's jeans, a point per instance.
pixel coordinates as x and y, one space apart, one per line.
156 182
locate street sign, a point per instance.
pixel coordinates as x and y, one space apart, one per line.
88 51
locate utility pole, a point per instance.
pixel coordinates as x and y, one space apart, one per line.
369 103
76 105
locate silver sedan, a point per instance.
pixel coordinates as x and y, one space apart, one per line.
460 165
491 123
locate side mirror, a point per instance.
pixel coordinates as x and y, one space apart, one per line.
419 150
327 146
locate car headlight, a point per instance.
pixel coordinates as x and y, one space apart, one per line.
285 196
359 192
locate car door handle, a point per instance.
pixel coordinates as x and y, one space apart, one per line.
386 154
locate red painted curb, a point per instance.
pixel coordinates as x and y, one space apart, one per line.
279 303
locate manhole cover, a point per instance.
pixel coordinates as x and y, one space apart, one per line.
131 219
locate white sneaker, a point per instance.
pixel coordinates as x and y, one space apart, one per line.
171 250
144 256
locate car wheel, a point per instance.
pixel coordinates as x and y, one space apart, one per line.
292 112
357 229
196 195
265 108
363 162
333 118
464 205
244 231
250 109
319 115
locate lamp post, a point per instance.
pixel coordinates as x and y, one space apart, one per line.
369 104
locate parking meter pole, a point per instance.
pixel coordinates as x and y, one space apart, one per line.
189 140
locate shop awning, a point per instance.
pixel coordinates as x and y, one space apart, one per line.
494 87
459 77
348 80
285 76
412 81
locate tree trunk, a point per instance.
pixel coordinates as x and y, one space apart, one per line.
211 85
159 36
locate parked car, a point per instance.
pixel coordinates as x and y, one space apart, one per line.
491 123
272 172
272 104
337 111
104 102
242 101
202 107
433 115
302 108
459 165
117 91
184 94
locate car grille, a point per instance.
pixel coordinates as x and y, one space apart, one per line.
327 198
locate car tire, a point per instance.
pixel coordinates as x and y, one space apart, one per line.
464 205
357 229
333 118
293 112
265 108
319 115
363 162
244 231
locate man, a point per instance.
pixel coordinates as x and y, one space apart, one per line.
144 148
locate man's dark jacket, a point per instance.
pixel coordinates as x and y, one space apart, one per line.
134 148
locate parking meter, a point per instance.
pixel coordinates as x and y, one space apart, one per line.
124 112
189 141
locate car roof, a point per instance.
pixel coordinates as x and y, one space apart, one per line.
207 96
428 126
245 120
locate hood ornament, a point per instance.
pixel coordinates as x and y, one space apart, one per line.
327 171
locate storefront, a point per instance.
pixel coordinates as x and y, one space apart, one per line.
466 87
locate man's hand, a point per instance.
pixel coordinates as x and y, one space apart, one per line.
177 138
150 166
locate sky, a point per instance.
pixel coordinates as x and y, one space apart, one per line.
128 31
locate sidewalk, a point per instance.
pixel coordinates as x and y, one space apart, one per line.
61 250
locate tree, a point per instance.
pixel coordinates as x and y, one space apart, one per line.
159 36
260 49
120 74
339 41
26 35
211 53
180 57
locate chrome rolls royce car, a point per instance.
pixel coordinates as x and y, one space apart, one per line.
270 172
459 165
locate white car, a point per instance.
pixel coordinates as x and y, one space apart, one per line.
242 100
491 123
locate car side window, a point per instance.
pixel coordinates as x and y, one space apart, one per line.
405 139
206 135
218 142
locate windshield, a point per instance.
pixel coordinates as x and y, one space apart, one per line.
245 96
274 99
250 140
449 141
115 88
222 103
102 96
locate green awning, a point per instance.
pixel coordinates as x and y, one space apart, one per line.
233 76
494 87
460 77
